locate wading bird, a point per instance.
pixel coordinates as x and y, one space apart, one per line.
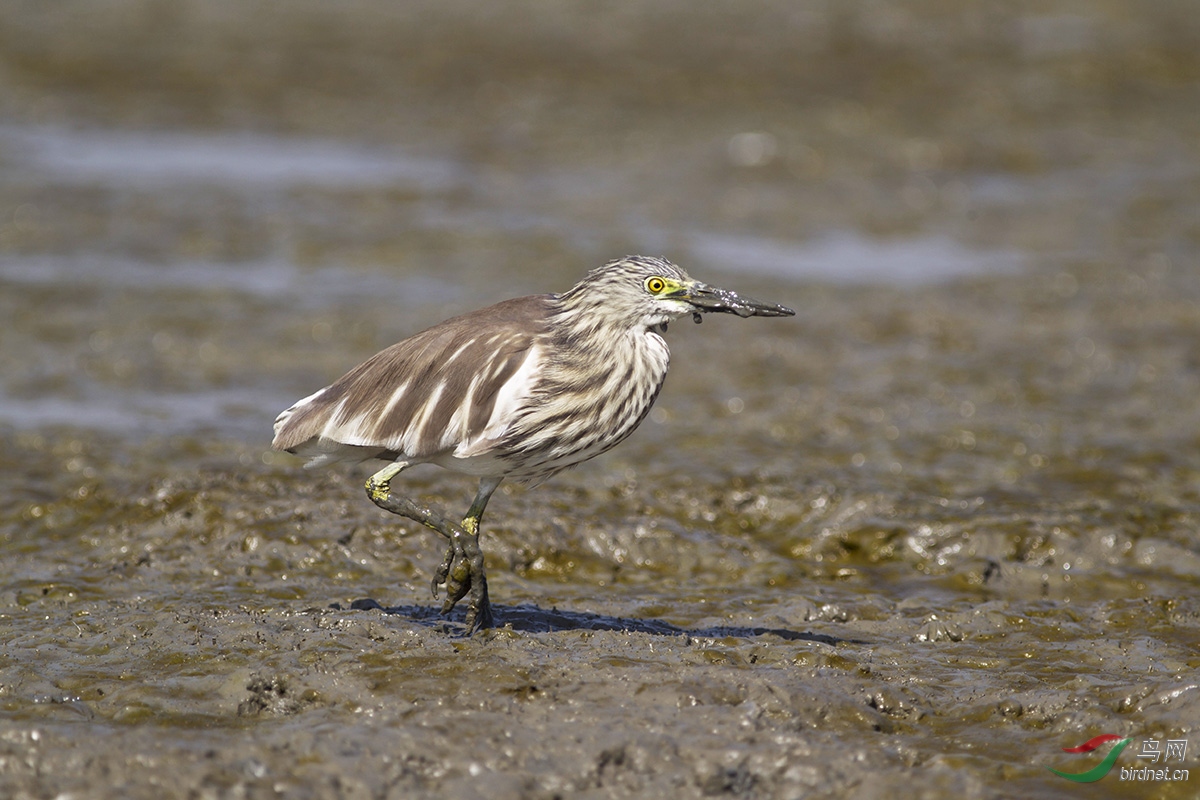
523 389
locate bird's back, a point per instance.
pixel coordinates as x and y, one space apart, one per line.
449 388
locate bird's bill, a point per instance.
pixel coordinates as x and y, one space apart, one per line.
705 298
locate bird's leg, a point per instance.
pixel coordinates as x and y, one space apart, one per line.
462 570
379 485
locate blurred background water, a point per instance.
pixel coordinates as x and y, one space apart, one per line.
316 156
986 216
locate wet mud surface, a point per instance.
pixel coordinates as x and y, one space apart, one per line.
926 534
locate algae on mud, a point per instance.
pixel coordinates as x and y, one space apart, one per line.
941 528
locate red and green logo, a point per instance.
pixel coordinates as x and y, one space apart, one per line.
1100 770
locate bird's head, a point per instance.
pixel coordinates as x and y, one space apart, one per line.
649 292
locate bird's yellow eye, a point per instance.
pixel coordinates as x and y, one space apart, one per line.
655 285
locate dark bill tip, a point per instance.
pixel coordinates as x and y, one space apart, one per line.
711 299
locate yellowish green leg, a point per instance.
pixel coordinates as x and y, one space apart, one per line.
462 571
379 485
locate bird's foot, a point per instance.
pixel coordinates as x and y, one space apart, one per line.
454 574
462 573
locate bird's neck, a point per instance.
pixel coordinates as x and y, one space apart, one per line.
588 333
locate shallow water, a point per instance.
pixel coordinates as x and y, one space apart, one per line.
932 530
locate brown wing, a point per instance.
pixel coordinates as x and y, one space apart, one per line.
423 396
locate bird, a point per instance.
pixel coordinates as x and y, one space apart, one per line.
520 390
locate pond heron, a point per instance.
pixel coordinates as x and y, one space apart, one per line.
523 389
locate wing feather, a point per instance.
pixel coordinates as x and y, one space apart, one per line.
451 387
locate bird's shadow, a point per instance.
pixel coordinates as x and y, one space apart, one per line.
532 619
